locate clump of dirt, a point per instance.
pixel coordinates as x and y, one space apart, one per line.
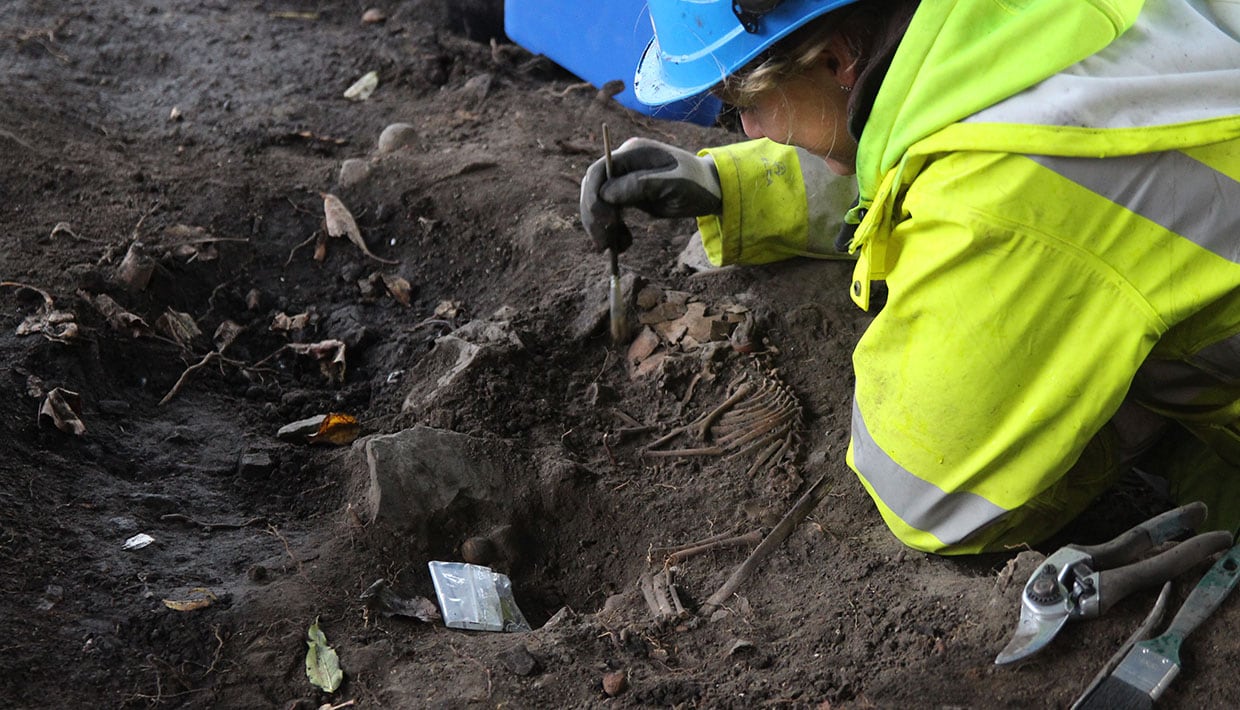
168 261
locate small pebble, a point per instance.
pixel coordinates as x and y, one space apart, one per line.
397 136
615 683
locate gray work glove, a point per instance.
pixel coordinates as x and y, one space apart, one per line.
657 178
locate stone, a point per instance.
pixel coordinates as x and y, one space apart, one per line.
439 369
693 257
519 661
418 473
353 171
255 465
397 136
348 325
452 355
615 683
300 431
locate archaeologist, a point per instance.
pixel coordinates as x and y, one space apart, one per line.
1047 233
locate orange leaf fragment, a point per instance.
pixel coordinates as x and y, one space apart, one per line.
338 429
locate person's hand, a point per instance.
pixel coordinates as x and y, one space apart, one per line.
657 178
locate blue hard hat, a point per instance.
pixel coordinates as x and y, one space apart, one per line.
699 42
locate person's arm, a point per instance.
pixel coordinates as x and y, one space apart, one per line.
778 202
756 201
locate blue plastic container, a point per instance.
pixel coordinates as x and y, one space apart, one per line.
598 40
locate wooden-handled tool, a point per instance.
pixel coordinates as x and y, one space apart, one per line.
615 299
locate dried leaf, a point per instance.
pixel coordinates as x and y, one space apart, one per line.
329 353
322 663
448 309
380 597
364 87
189 243
178 326
136 269
320 246
120 319
60 326
204 600
225 334
340 223
400 289
338 429
284 323
63 409
34 386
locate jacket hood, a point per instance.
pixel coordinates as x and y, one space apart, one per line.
935 78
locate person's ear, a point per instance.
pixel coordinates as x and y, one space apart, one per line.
841 60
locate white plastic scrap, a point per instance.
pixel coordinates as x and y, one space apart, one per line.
137 542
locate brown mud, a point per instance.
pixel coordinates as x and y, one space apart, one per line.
121 121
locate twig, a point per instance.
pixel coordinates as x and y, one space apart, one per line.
213 355
309 239
272 530
633 423
219 647
773 540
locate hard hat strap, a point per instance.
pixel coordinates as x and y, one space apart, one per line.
749 12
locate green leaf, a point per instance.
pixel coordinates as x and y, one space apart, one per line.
322 664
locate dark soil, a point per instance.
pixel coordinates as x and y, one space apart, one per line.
480 211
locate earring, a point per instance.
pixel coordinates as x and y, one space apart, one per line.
845 87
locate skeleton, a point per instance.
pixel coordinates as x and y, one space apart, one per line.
762 417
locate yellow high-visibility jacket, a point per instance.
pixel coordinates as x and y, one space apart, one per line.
1051 191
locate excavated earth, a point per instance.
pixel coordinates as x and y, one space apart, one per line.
166 258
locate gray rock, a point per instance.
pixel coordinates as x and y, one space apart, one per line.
353 171
255 464
348 324
452 355
439 370
299 431
519 661
418 473
397 136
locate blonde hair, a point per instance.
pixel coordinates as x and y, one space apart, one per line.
864 27
789 58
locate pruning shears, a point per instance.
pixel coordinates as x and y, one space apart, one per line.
1084 581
